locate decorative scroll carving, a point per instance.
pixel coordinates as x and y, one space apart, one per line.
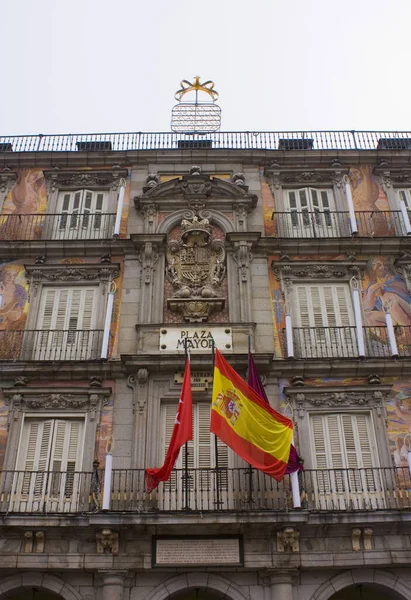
278 175
28 542
288 540
38 273
243 258
195 268
84 179
368 538
306 398
148 257
39 542
356 539
288 272
107 542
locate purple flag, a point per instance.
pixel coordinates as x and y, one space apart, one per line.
295 463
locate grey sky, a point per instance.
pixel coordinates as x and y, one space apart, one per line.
113 65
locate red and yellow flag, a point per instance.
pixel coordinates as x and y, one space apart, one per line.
249 426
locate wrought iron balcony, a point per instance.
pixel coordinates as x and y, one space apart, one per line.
341 342
283 141
52 344
205 490
336 224
61 226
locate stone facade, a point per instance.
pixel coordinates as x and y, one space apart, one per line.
201 253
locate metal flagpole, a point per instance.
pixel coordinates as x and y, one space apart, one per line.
250 468
217 488
186 444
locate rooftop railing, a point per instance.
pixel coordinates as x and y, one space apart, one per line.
205 490
51 344
283 141
62 226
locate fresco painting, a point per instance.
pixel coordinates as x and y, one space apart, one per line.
27 197
267 200
13 309
369 198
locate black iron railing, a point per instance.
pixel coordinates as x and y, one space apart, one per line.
283 141
329 490
53 344
62 226
341 342
336 224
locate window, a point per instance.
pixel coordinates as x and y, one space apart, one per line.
82 214
48 461
312 213
324 316
344 454
66 324
201 461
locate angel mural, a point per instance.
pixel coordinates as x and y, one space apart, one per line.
385 291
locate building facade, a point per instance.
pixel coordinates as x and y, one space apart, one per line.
118 251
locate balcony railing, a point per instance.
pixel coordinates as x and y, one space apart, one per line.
62 226
336 224
254 140
205 490
341 342
53 344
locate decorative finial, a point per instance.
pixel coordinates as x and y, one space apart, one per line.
196 86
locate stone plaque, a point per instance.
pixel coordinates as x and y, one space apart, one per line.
200 382
218 551
199 339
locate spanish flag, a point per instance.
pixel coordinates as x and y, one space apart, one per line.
248 425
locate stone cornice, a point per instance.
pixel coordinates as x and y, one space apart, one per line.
289 271
57 179
72 273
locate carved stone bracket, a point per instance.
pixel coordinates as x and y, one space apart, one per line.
57 179
139 384
34 541
7 180
305 399
36 274
393 177
367 537
107 542
288 540
243 258
77 399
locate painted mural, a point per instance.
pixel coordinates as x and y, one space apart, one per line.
13 308
369 201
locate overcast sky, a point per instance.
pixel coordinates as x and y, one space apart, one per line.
71 66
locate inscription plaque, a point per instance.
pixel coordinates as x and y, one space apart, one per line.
197 551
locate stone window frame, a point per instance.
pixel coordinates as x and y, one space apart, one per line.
280 178
60 181
391 181
306 401
54 403
40 276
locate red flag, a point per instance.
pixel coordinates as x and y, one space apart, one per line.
182 432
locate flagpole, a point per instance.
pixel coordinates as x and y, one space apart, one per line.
186 444
217 487
250 467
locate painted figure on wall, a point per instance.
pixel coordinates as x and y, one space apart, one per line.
385 291
399 423
28 197
369 202
13 309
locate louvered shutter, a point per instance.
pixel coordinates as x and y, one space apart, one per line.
323 305
405 195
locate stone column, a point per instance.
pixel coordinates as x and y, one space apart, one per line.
279 585
112 587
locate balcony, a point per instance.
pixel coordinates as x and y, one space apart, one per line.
341 342
53 344
282 141
61 226
205 490
336 224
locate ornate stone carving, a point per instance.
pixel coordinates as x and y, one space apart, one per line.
152 180
195 268
243 258
368 538
142 376
95 381
288 540
21 381
356 539
238 179
148 257
28 542
38 273
278 175
107 542
288 272
84 179
306 398
39 542
7 180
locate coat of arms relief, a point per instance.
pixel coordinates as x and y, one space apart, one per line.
196 268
